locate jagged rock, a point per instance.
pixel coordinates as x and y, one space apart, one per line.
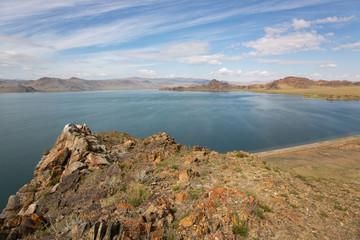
31 209
54 188
113 170
27 198
13 203
54 158
72 168
221 204
68 181
93 160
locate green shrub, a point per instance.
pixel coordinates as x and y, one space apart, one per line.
175 187
195 193
240 229
137 196
266 208
259 213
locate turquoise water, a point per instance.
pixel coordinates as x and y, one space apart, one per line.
31 122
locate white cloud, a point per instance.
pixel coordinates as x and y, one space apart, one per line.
287 61
348 45
283 44
147 73
27 68
329 65
187 48
11 56
316 75
258 73
300 23
225 71
292 37
333 19
213 60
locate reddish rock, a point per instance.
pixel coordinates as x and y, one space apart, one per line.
183 176
93 160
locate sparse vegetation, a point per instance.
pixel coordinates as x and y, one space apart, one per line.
175 187
194 194
137 195
240 229
259 213
142 176
265 208
46 152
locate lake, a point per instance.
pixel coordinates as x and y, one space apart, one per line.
31 122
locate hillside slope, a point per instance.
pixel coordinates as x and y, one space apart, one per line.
47 84
115 186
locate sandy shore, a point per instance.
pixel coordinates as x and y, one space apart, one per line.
308 146
337 159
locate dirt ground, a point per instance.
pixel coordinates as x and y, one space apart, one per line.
337 159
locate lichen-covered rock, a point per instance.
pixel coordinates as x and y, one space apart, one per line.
115 186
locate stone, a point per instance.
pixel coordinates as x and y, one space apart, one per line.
113 170
54 188
29 224
183 176
27 198
13 203
93 160
129 144
68 181
54 158
181 197
72 168
31 209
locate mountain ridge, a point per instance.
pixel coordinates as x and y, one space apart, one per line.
49 84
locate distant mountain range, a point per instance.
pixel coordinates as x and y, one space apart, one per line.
298 82
47 84
284 83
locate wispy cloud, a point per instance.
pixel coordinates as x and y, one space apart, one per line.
287 61
283 44
10 56
348 46
329 65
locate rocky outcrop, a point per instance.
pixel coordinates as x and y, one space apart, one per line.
213 86
115 186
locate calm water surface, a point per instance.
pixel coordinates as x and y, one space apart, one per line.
31 122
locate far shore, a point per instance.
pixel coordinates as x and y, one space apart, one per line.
307 146
335 160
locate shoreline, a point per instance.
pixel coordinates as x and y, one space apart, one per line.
306 146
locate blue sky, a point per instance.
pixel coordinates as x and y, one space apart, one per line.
248 40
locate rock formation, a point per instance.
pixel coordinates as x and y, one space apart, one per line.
115 186
213 86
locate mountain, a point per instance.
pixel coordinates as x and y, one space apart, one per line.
303 83
115 186
213 86
47 84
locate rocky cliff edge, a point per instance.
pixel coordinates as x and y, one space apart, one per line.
115 186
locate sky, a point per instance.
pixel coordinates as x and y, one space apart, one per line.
247 41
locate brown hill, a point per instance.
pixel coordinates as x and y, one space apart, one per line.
292 82
47 84
114 186
213 86
303 83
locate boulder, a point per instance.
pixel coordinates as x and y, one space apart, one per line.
13 203
93 160
72 168
31 209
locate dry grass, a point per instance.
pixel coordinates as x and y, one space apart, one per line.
315 92
340 161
